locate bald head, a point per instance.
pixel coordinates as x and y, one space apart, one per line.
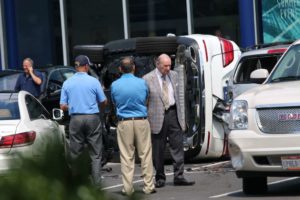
163 64
127 65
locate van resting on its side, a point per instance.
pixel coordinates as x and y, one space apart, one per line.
203 64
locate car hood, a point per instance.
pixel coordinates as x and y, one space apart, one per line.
7 127
273 94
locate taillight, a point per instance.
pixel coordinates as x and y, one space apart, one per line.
227 51
273 51
17 140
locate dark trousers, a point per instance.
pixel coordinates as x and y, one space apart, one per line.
85 129
171 130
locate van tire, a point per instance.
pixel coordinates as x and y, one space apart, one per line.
156 45
255 185
94 52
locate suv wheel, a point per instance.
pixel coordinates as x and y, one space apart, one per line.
255 185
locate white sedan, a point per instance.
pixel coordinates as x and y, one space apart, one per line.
26 127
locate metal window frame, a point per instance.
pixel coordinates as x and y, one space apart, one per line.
64 32
125 19
3 45
190 17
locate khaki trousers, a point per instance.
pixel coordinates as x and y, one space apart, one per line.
135 134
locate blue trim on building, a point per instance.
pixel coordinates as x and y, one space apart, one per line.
0 61
246 23
11 33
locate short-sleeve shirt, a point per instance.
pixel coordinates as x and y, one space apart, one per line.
129 94
82 93
26 83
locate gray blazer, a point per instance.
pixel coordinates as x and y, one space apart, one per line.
155 104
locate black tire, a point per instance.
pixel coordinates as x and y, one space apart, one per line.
255 185
156 45
94 52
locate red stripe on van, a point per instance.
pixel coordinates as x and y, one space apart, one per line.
208 141
225 145
205 48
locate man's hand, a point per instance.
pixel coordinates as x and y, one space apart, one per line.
35 78
103 105
64 107
30 69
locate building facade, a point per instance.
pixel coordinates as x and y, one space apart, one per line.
47 30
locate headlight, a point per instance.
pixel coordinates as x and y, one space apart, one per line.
239 115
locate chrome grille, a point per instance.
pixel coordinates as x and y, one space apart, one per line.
277 120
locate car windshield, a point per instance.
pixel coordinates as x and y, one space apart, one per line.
9 108
288 68
8 82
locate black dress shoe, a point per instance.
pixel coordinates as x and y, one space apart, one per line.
183 182
160 183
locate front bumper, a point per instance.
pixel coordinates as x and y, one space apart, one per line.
257 154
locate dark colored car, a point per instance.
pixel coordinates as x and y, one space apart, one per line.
53 76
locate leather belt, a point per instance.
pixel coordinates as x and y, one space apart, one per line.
132 118
74 114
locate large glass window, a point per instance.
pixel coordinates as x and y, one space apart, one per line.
157 17
216 17
280 20
38 31
94 22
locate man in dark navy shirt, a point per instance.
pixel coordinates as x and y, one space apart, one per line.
31 80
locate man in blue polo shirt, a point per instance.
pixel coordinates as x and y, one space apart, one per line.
129 95
81 95
31 80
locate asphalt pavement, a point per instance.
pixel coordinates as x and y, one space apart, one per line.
214 180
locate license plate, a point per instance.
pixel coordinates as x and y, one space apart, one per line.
290 162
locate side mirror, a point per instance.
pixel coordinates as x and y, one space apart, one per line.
57 114
259 75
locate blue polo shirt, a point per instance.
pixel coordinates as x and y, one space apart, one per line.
82 93
129 94
25 82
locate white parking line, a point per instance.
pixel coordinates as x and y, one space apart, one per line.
237 191
167 174
210 165
137 181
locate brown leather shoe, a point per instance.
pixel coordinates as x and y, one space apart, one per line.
149 192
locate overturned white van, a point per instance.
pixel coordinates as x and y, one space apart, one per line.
203 63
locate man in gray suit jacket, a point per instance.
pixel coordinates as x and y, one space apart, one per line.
165 121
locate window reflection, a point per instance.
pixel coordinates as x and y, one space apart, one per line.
38 31
157 17
94 22
216 17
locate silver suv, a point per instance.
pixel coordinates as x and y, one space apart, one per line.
265 125
257 57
